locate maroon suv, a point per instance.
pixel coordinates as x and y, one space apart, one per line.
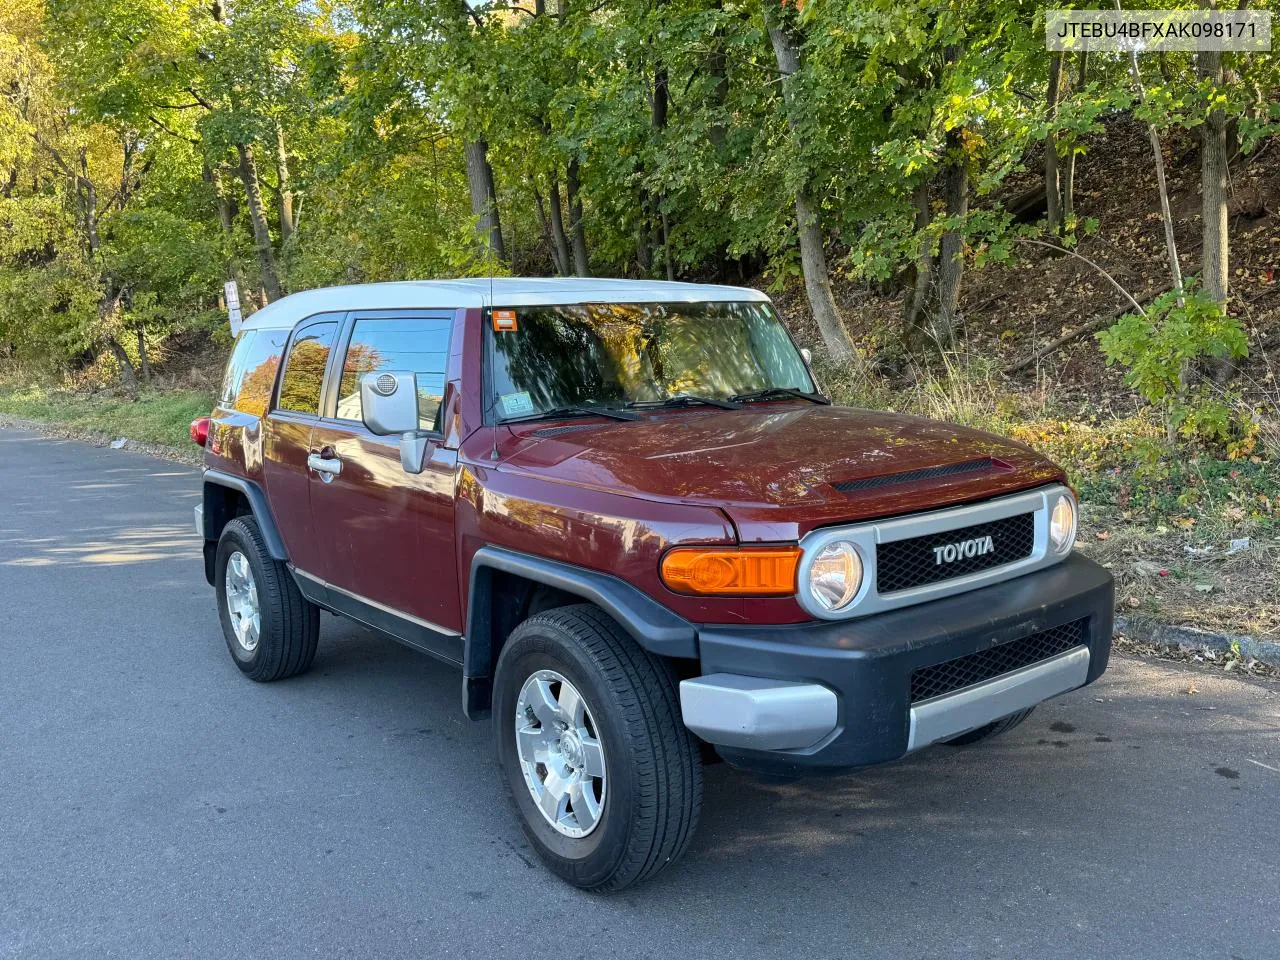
626 511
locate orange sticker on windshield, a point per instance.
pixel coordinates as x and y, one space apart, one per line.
504 321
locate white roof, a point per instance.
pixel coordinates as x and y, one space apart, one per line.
485 292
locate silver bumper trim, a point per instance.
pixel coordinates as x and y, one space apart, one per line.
949 716
755 713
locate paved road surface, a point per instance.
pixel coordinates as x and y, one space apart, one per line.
153 803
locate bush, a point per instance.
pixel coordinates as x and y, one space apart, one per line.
1160 348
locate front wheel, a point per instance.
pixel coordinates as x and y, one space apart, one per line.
604 775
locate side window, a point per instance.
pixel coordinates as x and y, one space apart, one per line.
304 371
251 371
416 344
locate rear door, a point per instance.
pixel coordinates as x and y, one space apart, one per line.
287 439
393 530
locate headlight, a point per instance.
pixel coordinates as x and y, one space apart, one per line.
835 575
1062 524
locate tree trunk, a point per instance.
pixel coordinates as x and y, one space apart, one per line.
1213 180
1052 188
666 245
915 332
718 66
258 215
577 231
951 248
287 223
90 204
658 126
128 376
484 198
813 256
144 363
557 228
1166 216
1069 170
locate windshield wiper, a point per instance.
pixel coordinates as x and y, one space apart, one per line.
686 399
777 393
574 410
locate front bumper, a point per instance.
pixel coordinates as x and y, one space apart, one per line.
830 696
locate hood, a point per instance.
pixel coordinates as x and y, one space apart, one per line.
785 463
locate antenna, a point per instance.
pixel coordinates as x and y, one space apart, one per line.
491 399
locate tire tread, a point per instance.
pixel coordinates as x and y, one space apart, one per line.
291 623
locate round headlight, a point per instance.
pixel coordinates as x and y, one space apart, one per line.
1062 524
835 575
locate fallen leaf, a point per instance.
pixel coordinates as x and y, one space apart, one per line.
1102 534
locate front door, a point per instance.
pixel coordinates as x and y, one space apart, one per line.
392 531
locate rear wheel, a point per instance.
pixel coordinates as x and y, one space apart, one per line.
995 728
604 775
270 628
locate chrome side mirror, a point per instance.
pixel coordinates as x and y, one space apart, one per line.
389 405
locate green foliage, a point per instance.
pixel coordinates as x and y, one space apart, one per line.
1158 349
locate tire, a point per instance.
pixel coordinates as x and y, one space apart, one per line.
651 793
993 729
288 626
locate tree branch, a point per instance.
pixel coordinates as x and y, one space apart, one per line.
1071 253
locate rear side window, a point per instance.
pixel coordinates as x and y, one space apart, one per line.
304 372
418 345
251 371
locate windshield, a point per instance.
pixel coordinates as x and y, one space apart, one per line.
615 354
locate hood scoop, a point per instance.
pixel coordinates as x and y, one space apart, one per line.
546 432
983 465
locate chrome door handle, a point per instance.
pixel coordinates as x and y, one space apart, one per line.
328 467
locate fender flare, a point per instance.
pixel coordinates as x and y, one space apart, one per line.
651 625
257 499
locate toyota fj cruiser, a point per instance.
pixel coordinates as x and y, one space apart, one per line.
627 513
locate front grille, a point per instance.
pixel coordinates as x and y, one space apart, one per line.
953 675
904 564
911 476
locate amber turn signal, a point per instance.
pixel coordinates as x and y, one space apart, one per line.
732 571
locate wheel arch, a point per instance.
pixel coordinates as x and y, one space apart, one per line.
506 587
226 497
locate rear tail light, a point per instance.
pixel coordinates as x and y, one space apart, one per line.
200 430
732 571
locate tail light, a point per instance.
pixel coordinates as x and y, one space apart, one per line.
200 430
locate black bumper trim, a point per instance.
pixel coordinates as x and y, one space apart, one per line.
869 662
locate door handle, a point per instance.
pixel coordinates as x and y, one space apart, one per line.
327 467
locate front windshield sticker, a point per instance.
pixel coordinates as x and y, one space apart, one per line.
518 404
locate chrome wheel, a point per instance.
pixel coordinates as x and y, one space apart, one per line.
242 602
560 753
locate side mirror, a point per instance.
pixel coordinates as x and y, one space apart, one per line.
389 402
807 356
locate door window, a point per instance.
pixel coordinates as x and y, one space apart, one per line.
418 345
304 371
251 372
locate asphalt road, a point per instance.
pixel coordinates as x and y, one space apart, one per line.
153 803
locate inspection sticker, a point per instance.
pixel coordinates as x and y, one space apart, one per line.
517 404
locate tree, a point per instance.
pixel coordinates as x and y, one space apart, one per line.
786 41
